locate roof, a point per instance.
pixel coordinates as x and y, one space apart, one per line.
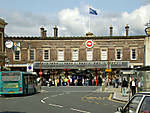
75 38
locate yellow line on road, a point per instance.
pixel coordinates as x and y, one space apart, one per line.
110 98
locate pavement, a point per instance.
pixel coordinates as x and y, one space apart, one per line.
117 95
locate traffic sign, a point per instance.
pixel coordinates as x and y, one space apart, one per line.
29 67
40 72
89 43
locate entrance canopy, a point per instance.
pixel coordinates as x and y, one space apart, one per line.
80 65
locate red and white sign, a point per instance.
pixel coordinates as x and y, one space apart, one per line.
40 72
89 43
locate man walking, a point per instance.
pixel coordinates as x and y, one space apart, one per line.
133 86
124 87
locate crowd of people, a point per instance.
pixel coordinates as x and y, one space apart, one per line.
69 81
127 85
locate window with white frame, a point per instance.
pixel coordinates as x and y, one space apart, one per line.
32 54
133 54
46 54
60 55
89 55
104 54
75 54
118 54
17 55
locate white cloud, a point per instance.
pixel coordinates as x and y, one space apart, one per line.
74 22
26 23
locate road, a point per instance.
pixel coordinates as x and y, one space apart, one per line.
61 100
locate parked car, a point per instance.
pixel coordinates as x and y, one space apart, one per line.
139 103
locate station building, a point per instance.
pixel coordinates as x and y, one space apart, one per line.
2 47
86 56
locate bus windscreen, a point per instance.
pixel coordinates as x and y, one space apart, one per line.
11 76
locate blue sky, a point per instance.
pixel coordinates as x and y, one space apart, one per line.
54 6
25 17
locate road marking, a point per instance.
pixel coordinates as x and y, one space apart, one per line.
43 101
45 98
54 95
61 94
81 111
55 105
67 92
110 98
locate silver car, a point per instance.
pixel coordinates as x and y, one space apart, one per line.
139 103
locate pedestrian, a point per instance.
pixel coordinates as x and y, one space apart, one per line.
139 86
117 82
76 82
124 87
113 82
100 81
68 81
103 84
57 81
133 86
50 82
83 82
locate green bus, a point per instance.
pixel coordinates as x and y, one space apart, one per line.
17 82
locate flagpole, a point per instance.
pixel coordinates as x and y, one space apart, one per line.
89 17
89 22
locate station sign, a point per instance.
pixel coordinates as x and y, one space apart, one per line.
89 43
81 65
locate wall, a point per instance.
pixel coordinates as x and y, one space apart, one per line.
68 45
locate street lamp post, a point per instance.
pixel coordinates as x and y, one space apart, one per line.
146 45
41 66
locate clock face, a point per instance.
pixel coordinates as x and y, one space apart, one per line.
147 30
89 43
9 44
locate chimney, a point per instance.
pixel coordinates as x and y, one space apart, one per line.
42 32
89 34
111 30
45 35
127 30
55 31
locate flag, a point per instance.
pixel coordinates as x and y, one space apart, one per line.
92 11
